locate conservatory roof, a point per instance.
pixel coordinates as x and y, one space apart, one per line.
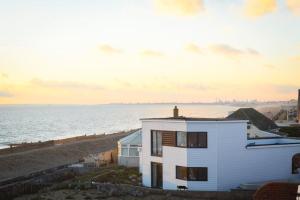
134 138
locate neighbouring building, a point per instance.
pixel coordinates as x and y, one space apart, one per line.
298 110
98 159
212 154
128 149
258 125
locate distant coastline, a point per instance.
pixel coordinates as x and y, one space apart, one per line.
219 102
33 123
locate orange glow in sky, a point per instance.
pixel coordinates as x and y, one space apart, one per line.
92 52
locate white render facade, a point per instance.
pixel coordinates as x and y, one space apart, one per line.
230 159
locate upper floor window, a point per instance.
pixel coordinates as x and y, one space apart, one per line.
181 139
192 139
156 143
191 173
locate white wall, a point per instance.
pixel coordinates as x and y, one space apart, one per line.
204 157
228 160
146 157
238 164
172 157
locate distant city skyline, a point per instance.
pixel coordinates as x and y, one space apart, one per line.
94 52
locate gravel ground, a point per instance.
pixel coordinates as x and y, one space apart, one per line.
23 163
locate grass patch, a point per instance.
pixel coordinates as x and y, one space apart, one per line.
112 174
69 197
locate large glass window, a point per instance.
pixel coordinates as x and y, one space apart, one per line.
181 173
191 173
192 139
133 151
181 139
156 143
124 151
201 140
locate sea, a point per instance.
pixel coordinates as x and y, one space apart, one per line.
32 123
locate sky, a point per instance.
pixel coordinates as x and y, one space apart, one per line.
129 51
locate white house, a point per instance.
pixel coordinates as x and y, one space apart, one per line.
212 154
128 149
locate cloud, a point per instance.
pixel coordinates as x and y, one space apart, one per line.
193 48
269 66
105 48
228 50
255 8
5 94
252 52
65 84
152 53
294 6
3 75
179 7
195 86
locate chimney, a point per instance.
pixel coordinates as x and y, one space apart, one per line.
175 112
298 110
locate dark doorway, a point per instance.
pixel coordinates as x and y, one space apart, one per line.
296 164
156 175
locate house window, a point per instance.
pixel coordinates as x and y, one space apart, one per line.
156 143
197 173
181 173
191 173
124 150
133 151
181 139
192 139
201 140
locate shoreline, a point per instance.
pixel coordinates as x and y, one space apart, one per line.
13 147
60 139
22 161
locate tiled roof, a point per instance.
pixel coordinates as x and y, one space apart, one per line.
256 118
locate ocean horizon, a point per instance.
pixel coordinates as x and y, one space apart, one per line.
33 123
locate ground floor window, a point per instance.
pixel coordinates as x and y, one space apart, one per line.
191 173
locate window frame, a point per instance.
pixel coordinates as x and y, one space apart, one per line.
157 153
197 142
177 169
176 138
197 173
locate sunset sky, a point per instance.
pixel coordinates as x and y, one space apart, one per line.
108 51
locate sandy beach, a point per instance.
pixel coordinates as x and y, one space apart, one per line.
21 163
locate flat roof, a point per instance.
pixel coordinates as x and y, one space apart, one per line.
181 118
